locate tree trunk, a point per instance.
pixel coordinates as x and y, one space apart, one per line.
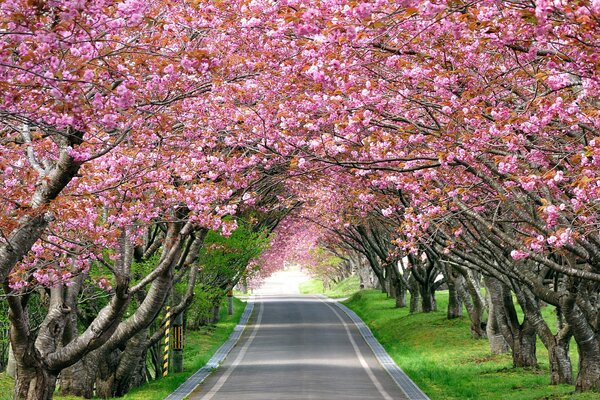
123 370
415 301
475 304
523 349
561 370
454 281
105 378
78 380
588 377
216 312
588 345
365 274
398 287
400 297
34 383
131 371
498 344
427 293
11 366
520 337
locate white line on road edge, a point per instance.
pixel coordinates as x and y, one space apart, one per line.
237 360
412 391
360 356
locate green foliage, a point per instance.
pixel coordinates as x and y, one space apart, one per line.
6 386
140 269
202 306
325 264
442 358
344 288
223 259
327 267
223 262
313 286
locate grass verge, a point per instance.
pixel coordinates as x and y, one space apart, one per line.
442 358
344 288
6 386
199 347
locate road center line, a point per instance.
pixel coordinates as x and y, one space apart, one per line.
238 359
360 356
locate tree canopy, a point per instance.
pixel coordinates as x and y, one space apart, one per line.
421 139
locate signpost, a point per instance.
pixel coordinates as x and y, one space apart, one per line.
178 343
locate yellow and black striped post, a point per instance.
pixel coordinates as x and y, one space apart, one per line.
167 340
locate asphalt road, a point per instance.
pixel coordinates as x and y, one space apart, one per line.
299 347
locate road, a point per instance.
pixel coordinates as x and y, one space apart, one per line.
299 347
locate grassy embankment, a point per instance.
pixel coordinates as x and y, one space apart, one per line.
443 359
199 347
345 288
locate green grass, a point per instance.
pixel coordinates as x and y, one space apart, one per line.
6 386
200 346
313 286
344 288
442 358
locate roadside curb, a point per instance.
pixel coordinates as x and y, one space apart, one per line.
187 387
412 391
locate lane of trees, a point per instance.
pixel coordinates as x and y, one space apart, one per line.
437 143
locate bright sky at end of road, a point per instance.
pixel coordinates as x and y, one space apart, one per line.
283 282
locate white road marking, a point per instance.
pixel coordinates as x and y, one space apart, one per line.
237 360
362 360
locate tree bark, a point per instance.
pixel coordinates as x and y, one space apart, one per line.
78 379
398 288
11 367
427 299
588 345
455 283
424 272
216 311
105 377
400 295
34 383
561 371
126 369
498 344
524 347
475 304
415 297
520 337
